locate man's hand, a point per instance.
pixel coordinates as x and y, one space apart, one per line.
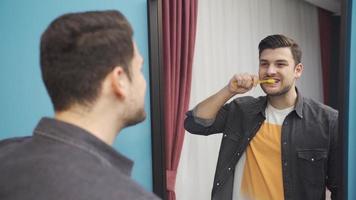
242 83
239 84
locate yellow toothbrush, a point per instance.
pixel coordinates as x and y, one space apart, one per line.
269 81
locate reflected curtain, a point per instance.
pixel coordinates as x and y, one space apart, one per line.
329 26
179 29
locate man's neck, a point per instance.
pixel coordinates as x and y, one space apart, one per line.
99 125
284 101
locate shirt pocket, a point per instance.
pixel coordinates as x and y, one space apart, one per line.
311 164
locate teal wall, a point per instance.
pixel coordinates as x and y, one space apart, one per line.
23 99
352 107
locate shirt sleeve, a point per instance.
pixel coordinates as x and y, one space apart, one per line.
201 121
200 126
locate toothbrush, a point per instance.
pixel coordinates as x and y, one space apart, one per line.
268 81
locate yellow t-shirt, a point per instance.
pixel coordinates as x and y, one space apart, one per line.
261 174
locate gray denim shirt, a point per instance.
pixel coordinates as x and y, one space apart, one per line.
64 162
308 145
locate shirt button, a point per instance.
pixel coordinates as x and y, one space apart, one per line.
285 163
285 123
229 168
248 139
312 159
238 154
284 142
225 135
217 184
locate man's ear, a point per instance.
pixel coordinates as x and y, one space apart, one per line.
298 70
118 80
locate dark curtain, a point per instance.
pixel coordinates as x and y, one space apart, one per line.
179 28
329 30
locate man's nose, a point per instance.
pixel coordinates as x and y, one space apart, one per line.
271 69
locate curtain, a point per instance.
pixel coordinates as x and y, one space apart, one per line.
329 26
179 27
325 27
228 33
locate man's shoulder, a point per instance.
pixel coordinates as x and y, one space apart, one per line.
248 103
107 184
9 146
58 186
55 173
103 183
123 186
317 108
13 141
246 100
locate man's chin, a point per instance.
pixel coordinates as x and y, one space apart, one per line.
138 118
271 91
276 92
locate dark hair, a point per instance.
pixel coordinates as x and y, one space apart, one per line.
78 50
277 41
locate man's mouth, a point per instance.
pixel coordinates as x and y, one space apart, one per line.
276 80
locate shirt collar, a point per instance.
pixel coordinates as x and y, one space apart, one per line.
298 108
299 104
80 138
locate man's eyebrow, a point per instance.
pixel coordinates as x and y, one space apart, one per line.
284 61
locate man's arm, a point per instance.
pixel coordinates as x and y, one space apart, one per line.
238 84
209 115
208 108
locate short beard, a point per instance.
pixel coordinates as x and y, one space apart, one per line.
280 93
138 117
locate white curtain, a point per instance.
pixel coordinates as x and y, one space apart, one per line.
228 34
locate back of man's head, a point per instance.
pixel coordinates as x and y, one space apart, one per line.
78 50
279 41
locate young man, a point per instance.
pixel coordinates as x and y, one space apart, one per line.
91 68
278 146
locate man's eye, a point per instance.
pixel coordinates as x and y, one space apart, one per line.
263 64
281 64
